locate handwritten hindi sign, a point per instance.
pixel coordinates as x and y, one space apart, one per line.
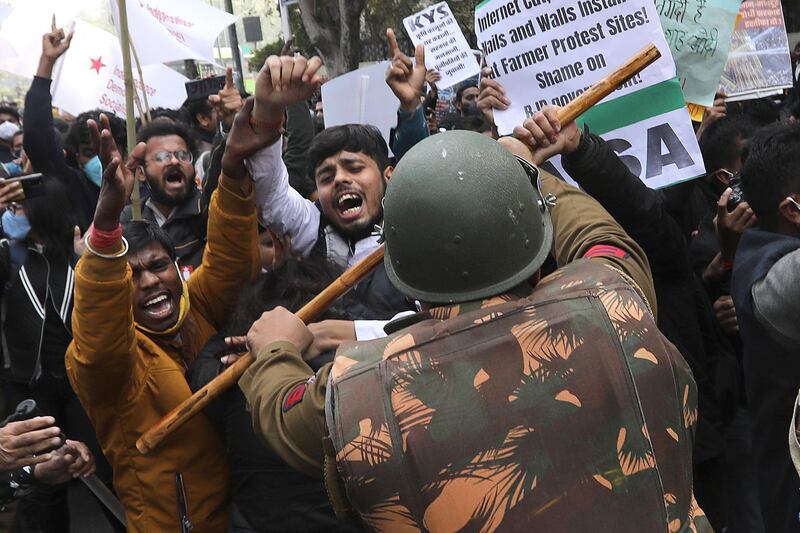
550 51
758 63
699 35
446 49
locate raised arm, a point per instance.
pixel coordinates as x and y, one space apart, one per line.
581 227
231 255
407 82
40 142
282 81
104 348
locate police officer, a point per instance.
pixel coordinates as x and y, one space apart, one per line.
509 402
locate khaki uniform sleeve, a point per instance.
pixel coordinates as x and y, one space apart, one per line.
580 222
103 351
287 403
231 256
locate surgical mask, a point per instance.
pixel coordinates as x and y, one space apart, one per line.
16 227
94 170
13 169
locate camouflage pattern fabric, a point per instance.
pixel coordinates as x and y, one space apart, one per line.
563 411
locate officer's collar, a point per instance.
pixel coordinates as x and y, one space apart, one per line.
446 312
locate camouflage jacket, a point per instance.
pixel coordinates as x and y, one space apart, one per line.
563 411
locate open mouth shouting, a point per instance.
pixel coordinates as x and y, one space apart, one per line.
159 307
349 205
174 178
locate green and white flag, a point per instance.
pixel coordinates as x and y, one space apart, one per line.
550 51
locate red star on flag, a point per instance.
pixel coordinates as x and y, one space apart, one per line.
97 64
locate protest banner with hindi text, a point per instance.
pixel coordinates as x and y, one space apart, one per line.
758 63
446 48
548 52
699 34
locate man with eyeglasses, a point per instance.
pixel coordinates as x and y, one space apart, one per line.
766 292
175 201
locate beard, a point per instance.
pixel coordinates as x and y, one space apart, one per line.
159 195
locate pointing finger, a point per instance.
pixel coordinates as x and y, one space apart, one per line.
229 78
393 48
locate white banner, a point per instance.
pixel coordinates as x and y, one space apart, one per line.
24 28
549 52
169 30
90 75
446 48
361 97
7 49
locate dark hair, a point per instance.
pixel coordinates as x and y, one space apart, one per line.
78 133
142 233
191 108
52 220
10 110
477 123
291 286
761 111
463 87
718 141
771 167
18 133
161 112
61 126
355 138
162 127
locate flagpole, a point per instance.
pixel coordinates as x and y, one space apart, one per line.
146 113
124 42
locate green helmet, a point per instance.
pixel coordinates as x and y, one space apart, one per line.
463 220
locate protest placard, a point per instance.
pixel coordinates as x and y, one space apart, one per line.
90 75
361 97
758 63
446 48
550 51
699 34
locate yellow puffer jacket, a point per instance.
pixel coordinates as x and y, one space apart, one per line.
127 382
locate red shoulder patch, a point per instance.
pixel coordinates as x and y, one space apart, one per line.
294 396
604 249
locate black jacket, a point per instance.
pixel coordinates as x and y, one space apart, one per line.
30 294
772 378
266 493
685 315
187 227
45 151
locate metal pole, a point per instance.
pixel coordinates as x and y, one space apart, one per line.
130 122
233 41
285 28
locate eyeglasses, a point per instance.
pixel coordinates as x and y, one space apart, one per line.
165 156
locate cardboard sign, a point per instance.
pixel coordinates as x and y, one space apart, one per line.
446 48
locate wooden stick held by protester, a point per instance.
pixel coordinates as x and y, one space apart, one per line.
227 379
191 406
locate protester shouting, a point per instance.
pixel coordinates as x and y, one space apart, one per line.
137 326
497 397
350 166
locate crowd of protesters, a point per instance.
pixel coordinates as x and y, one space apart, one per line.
112 314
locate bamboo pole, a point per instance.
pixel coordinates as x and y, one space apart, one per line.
130 123
227 379
194 404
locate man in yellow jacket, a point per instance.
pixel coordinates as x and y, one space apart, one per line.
137 325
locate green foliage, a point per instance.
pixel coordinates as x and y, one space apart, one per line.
260 55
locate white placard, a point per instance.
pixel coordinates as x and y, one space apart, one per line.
551 51
446 48
361 97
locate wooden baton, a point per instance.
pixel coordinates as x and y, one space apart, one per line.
230 376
